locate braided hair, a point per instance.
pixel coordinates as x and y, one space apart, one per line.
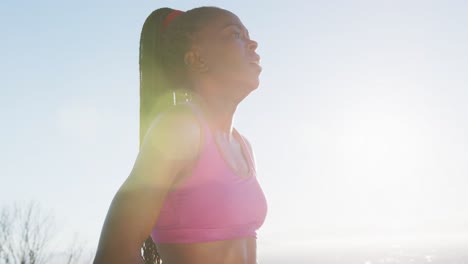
163 70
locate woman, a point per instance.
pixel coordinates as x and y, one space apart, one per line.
193 187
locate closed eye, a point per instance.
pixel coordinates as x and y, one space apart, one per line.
243 34
237 31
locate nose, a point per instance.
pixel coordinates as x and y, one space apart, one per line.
252 45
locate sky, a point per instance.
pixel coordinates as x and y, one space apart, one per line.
358 127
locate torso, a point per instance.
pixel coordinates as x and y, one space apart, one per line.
239 251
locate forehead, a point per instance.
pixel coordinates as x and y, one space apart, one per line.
225 20
221 21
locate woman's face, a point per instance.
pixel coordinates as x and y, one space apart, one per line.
229 54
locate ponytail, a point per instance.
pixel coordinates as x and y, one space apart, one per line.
153 80
153 84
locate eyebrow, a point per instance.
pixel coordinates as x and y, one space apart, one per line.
232 25
236 25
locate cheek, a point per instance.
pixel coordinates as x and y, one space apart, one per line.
233 62
228 57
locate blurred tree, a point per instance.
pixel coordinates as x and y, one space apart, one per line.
25 236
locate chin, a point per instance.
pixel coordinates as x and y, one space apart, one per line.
246 87
252 83
255 85
250 88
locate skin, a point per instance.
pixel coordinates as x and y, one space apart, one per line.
223 69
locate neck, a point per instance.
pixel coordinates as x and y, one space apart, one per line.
218 110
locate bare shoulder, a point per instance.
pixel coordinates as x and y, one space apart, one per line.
175 134
170 145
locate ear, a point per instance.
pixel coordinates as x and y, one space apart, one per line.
195 62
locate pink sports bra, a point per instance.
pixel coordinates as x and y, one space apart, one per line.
213 203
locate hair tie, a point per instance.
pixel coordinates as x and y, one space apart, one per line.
170 17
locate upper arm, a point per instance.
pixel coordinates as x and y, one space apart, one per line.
170 145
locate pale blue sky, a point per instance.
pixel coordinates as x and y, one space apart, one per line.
359 124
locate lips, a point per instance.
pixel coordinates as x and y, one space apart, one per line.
255 59
256 62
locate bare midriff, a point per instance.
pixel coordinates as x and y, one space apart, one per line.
238 251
